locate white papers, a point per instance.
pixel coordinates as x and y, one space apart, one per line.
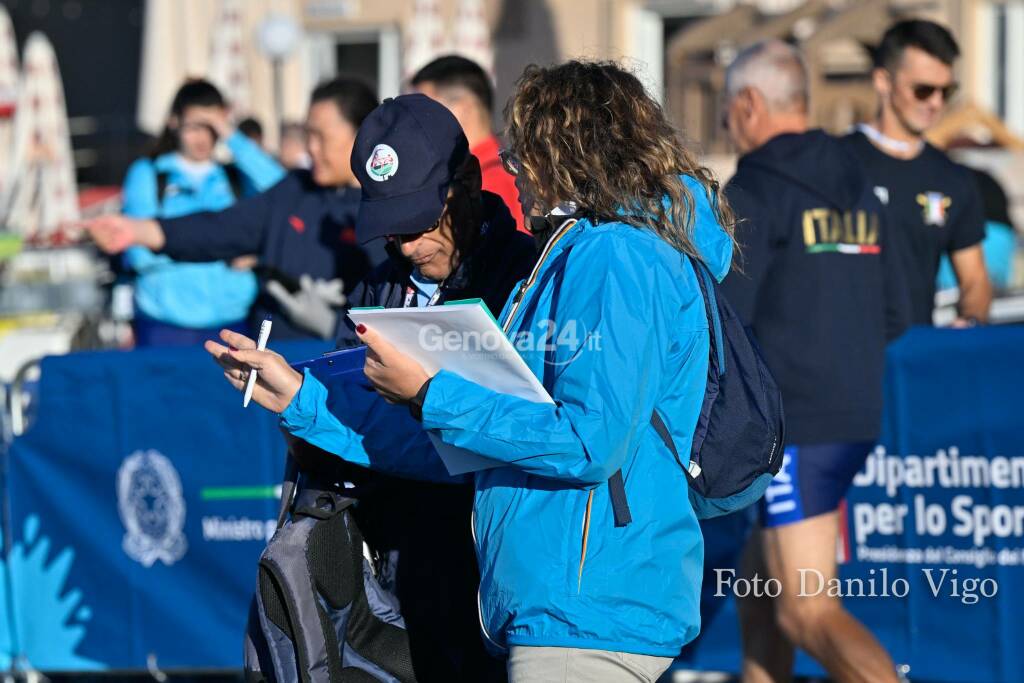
464 339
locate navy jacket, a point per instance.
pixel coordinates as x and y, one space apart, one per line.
420 529
816 283
295 227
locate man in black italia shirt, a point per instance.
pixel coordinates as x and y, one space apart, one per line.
822 293
933 203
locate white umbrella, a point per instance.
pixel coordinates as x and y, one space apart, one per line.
42 197
424 36
472 36
8 94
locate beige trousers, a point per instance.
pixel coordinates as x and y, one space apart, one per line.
576 665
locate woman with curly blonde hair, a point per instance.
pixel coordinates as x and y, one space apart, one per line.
587 132
571 588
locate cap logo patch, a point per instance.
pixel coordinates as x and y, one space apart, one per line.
382 164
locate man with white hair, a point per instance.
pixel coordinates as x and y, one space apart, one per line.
818 287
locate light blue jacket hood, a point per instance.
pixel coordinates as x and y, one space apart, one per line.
713 244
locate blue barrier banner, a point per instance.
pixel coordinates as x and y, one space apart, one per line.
941 505
934 520
143 493
140 500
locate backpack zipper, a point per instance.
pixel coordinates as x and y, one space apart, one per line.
586 536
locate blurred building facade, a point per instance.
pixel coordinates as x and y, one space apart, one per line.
680 49
681 46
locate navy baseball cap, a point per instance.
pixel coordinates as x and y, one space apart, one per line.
405 156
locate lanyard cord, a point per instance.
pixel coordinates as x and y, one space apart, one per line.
410 294
552 241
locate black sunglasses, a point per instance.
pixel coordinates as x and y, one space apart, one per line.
509 161
411 236
924 91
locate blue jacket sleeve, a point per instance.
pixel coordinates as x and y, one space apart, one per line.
259 169
139 200
138 194
621 294
360 427
222 235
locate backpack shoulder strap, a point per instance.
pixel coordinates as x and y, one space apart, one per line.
691 468
234 179
620 506
662 429
288 485
616 485
161 185
706 281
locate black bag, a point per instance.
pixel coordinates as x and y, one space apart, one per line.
319 615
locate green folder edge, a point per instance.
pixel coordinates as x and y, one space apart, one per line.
446 303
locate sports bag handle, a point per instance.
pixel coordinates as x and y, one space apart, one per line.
291 477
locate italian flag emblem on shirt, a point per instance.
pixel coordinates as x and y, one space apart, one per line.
844 248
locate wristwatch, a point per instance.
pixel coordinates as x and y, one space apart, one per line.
416 402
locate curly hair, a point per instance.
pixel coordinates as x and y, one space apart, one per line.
587 132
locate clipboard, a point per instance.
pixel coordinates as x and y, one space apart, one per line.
345 365
479 352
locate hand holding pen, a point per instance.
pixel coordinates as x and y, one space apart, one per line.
276 384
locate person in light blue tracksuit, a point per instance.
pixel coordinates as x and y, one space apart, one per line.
564 591
184 303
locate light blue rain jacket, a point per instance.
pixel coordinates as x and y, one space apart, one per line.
555 571
194 295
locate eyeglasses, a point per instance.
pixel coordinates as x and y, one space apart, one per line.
924 91
412 236
509 161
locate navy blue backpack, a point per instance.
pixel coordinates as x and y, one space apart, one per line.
738 442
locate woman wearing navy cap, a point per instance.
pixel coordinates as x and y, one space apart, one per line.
447 240
565 593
